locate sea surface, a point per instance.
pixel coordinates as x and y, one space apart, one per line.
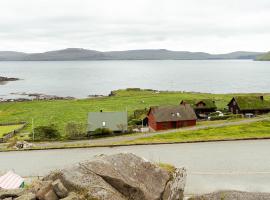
82 78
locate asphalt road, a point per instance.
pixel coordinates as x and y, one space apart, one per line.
211 166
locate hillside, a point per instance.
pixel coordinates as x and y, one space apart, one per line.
264 57
144 54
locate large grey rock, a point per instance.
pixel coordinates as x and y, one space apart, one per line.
133 176
59 189
122 177
175 187
232 195
11 193
77 178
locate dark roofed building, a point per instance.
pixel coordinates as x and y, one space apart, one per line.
249 104
201 107
171 117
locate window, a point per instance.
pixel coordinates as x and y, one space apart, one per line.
103 124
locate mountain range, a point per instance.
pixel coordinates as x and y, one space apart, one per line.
145 54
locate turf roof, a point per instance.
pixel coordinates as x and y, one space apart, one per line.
209 103
252 103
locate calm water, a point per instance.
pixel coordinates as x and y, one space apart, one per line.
82 78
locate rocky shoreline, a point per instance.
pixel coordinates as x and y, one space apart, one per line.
5 79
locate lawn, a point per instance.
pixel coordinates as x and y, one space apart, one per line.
61 112
8 129
253 130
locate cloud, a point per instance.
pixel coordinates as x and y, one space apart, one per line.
209 25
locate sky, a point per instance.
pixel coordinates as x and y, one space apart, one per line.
214 26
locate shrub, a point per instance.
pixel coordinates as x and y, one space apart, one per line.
46 132
75 130
226 117
101 131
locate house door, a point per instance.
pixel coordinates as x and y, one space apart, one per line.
174 124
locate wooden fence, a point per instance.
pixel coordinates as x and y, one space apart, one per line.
9 135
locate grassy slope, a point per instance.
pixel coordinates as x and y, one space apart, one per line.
252 130
264 57
61 112
7 129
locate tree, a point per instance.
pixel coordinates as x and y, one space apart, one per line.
47 132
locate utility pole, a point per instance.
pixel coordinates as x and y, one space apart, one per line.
33 129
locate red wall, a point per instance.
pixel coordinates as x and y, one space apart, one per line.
168 125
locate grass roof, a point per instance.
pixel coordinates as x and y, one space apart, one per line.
209 103
252 103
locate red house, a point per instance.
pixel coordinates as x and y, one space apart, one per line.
171 117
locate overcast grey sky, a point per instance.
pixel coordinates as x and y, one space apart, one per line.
213 26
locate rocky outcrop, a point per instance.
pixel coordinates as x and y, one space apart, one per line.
115 177
4 79
232 195
122 177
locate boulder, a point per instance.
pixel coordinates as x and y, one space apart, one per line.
27 196
77 178
232 195
121 177
42 188
11 193
59 189
175 187
131 175
50 195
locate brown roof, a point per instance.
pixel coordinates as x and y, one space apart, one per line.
173 113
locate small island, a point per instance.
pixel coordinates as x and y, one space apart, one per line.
5 79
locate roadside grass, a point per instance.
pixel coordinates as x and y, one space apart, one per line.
255 130
61 112
8 129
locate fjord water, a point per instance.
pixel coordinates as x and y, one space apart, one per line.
82 78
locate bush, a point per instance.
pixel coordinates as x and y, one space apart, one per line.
101 131
75 130
226 117
46 132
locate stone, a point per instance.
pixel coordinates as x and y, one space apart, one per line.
50 195
122 176
11 193
59 189
27 196
131 175
77 178
71 196
233 195
42 188
175 187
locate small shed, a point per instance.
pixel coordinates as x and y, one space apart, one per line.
171 117
249 104
115 121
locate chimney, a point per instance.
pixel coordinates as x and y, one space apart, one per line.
261 97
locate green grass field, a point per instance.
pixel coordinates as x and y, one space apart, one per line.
63 111
8 129
245 131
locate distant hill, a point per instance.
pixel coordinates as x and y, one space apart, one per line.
145 54
264 57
